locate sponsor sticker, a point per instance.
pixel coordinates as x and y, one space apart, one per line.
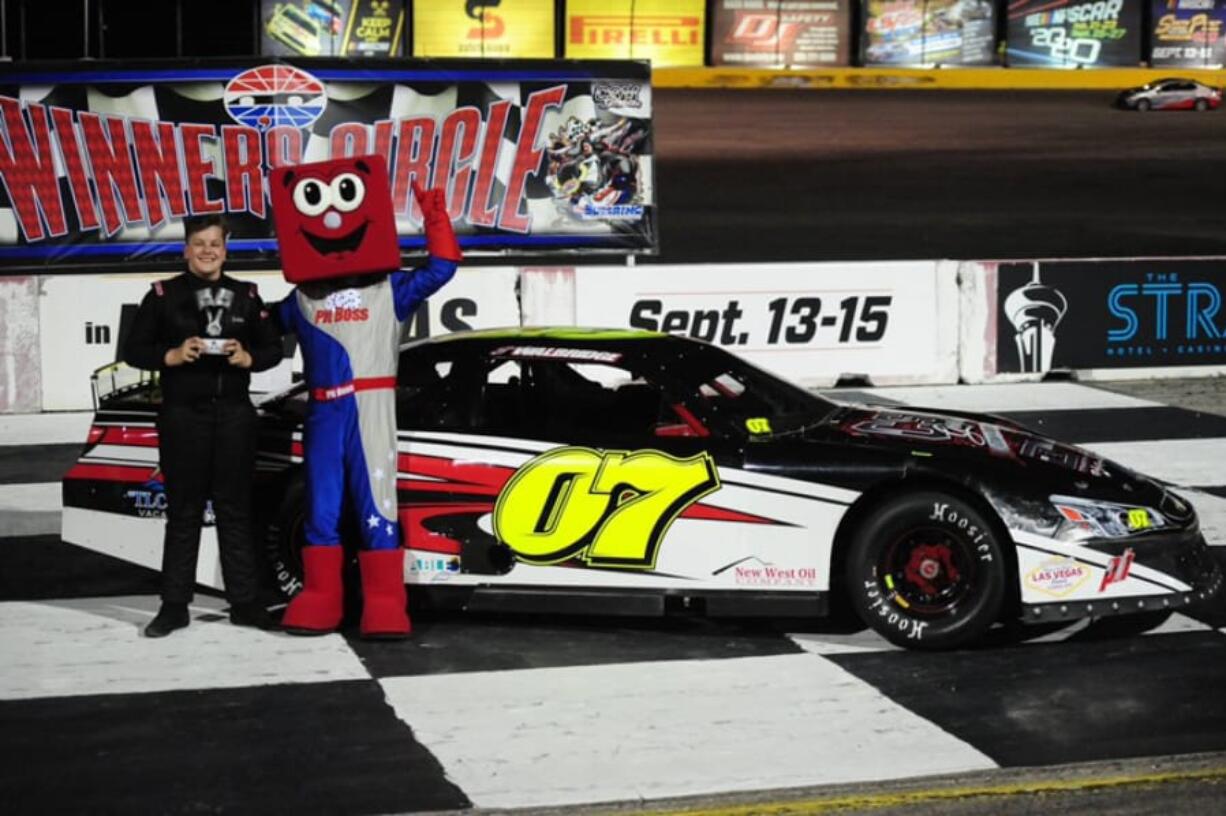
557 353
435 568
1118 569
758 573
1058 577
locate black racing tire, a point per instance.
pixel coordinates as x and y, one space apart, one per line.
1144 105
284 541
927 570
1201 105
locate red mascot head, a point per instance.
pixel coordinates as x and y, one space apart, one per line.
334 219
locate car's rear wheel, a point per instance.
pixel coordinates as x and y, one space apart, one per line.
1144 105
285 539
927 571
1202 105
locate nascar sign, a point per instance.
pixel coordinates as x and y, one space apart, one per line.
100 163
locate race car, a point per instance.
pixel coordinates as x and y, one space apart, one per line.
630 472
294 28
1170 94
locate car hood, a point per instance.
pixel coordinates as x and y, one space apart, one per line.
994 445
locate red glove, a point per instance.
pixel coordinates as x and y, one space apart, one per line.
440 237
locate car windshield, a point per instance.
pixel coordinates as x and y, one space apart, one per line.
745 394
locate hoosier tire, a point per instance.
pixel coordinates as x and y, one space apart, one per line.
927 571
284 541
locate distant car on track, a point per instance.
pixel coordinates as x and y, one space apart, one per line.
1170 94
628 472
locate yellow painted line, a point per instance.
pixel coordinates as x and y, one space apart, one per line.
903 798
925 78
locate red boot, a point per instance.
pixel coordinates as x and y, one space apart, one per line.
318 608
384 600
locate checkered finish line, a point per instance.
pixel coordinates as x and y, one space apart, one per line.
542 710
100 162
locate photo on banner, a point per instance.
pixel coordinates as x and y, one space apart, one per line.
928 32
781 33
331 28
667 32
1069 34
484 28
1187 34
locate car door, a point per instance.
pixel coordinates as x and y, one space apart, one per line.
537 464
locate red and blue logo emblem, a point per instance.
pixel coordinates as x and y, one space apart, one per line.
273 95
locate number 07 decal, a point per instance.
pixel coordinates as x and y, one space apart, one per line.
611 509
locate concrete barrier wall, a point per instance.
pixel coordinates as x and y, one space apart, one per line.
20 378
817 79
914 322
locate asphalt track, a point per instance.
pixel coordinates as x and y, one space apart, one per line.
869 175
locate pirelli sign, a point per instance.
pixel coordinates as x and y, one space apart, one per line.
666 32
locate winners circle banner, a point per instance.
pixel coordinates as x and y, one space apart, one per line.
101 162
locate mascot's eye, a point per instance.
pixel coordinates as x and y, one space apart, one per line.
312 196
347 192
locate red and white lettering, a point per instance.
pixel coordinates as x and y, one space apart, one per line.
157 157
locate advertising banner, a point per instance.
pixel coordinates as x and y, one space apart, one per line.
1071 34
1187 34
100 162
893 322
781 33
667 32
928 32
331 28
83 321
484 28
1109 314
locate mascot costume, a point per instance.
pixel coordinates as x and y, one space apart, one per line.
337 235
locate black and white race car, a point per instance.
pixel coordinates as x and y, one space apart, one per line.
620 472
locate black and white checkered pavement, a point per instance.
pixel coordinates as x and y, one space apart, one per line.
521 711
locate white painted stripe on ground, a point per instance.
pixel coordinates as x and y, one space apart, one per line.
570 735
989 397
1179 461
1178 623
94 646
823 643
30 509
44 429
31 497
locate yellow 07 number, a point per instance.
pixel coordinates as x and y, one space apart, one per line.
611 509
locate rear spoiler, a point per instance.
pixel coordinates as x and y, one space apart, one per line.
120 381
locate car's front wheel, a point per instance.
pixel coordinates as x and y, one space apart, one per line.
927 571
1144 105
1202 105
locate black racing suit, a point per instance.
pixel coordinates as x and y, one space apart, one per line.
206 424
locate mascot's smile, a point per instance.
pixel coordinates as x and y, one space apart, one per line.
335 246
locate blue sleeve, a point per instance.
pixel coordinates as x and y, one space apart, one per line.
283 312
410 288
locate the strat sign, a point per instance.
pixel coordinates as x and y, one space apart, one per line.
95 162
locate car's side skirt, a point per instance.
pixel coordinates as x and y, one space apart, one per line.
620 602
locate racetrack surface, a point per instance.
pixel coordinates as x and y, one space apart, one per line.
969 175
530 711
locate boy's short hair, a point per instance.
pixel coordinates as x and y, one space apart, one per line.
196 223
